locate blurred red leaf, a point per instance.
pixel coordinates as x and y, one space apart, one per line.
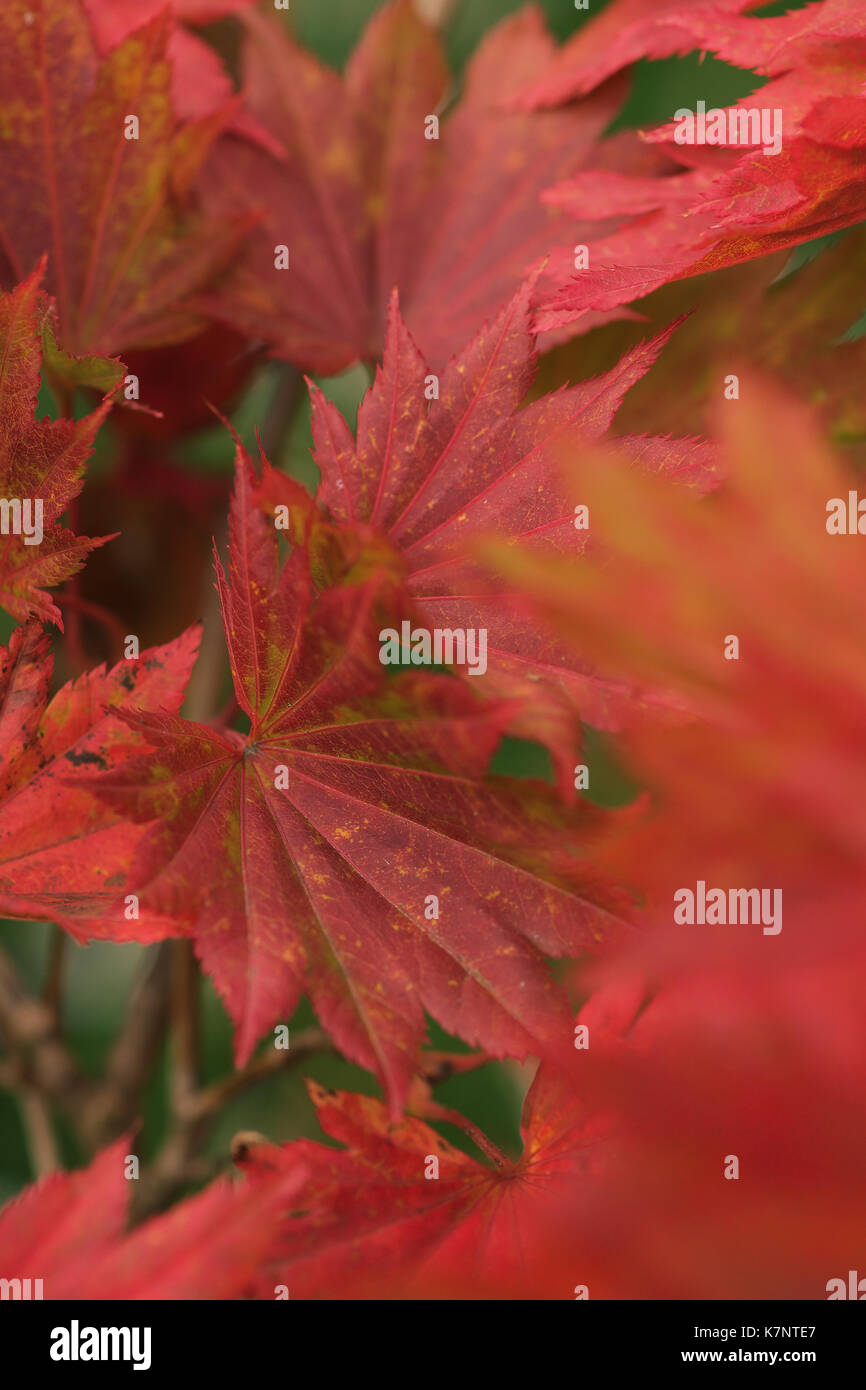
753 1044
770 768
363 201
751 1048
68 1230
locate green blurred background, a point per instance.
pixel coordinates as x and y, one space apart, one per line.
97 978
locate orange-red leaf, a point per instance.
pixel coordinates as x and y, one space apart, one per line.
626 31
432 475
125 250
770 769
63 855
399 1211
68 1230
41 463
733 204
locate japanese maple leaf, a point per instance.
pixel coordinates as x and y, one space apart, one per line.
348 844
795 313
115 22
399 1211
815 59
433 475
626 31
753 780
753 1046
620 1187
62 853
41 463
200 84
745 1052
69 1231
362 200
721 213
125 249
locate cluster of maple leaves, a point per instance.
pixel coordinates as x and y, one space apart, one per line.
451 260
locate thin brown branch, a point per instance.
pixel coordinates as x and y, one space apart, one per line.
41 1139
52 986
478 1137
117 1100
179 1161
211 1100
185 1025
38 1058
177 1164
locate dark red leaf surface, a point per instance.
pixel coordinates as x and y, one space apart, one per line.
374 1221
63 854
303 856
435 475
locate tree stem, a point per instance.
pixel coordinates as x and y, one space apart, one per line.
41 1140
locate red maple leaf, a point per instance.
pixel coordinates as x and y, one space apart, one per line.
815 59
62 853
794 313
69 1231
431 475
762 564
107 201
620 1189
720 212
41 461
363 200
201 85
753 1047
748 1051
348 845
400 1212
115 23
794 44
626 31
